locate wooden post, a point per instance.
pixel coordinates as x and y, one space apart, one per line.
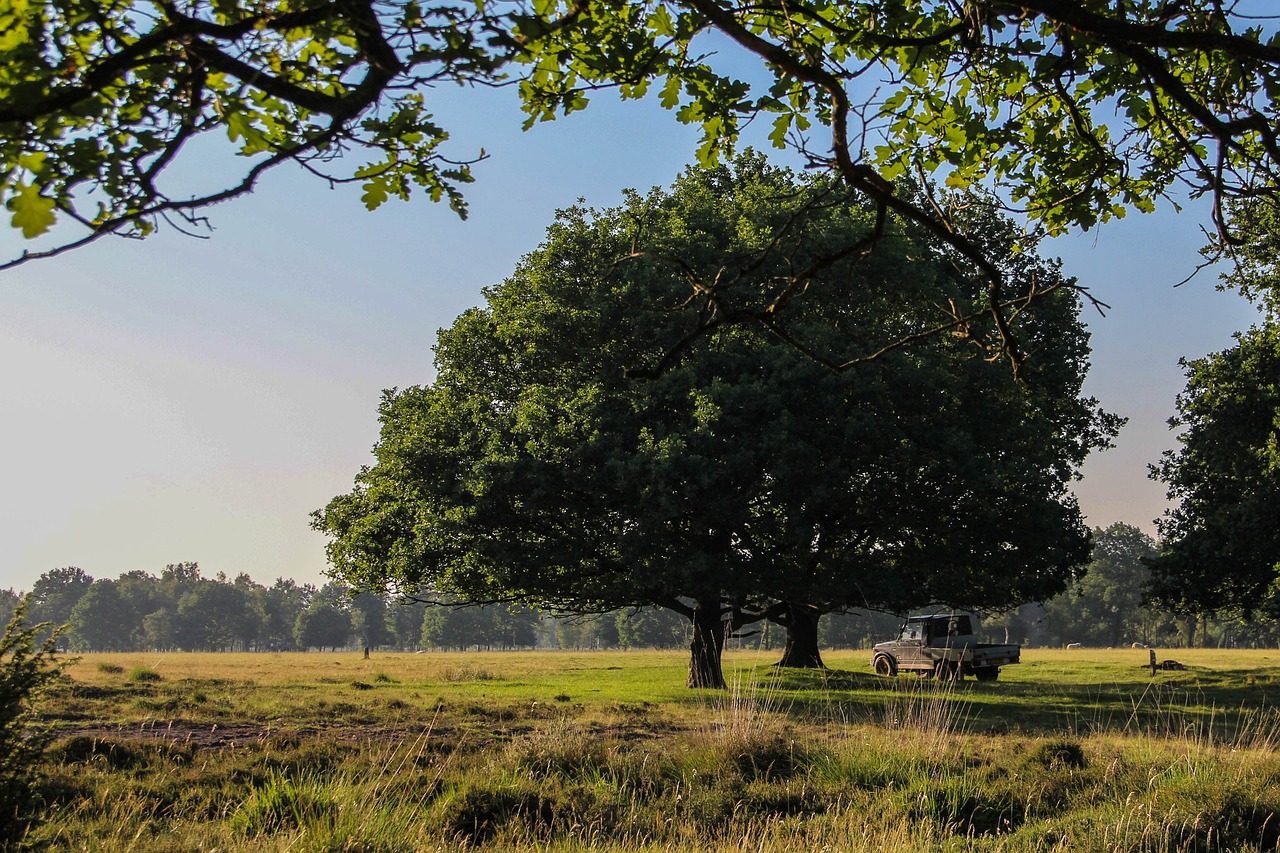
1153 663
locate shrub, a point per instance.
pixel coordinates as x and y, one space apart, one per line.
27 668
110 668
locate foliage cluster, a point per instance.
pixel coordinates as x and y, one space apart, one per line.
180 609
1076 112
1222 534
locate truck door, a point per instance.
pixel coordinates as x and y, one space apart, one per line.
911 645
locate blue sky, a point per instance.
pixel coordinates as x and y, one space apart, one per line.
182 399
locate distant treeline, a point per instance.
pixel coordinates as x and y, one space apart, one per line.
181 610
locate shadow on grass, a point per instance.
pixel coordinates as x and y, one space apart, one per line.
1198 702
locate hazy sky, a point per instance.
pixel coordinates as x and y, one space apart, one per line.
180 399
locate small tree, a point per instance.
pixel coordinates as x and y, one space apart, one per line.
27 667
369 619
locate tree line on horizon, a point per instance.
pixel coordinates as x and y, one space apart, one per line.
180 610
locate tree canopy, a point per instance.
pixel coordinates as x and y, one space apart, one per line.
1222 538
582 447
1073 111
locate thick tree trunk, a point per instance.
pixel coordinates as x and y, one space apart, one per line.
707 645
802 637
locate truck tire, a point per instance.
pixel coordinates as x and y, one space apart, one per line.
987 673
885 665
950 671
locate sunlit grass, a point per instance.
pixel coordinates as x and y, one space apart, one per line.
1080 750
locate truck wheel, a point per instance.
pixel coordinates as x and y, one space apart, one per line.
950 671
885 665
987 673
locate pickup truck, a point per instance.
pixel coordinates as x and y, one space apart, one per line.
942 646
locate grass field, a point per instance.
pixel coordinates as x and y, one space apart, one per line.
1071 750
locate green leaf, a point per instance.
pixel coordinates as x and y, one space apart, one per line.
375 193
670 96
779 134
33 161
32 212
661 22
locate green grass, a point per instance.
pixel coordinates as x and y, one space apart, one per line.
558 751
143 674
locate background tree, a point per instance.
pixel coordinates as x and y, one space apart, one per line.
9 601
54 595
404 617
213 616
324 624
253 625
452 625
590 445
652 628
103 620
140 593
176 580
282 604
457 628
1222 539
1017 625
1108 605
516 627
369 619
858 629
159 630
593 631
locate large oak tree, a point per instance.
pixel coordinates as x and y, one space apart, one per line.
596 438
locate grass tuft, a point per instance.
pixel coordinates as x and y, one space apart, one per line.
281 803
141 674
1060 752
